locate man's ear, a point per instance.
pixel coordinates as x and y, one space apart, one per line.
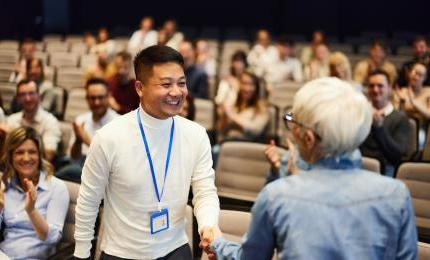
310 139
138 85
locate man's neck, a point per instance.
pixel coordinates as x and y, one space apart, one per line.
29 115
97 118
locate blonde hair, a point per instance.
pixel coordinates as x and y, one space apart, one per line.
13 140
338 113
338 58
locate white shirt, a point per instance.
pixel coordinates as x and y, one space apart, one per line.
285 70
44 123
91 126
117 170
260 58
140 40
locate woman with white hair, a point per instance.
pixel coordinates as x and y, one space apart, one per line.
332 209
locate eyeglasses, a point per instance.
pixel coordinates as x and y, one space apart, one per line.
94 98
25 94
289 121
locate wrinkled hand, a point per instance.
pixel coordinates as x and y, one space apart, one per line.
30 195
207 236
273 156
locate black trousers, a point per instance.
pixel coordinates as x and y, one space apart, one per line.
181 253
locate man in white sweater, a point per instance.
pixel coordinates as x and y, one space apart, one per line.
142 164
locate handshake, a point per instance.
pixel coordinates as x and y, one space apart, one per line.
207 236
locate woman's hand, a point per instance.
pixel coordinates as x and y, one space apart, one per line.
30 196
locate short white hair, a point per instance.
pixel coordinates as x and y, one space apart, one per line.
337 112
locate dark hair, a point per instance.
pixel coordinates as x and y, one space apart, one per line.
253 102
27 41
95 81
419 38
238 56
157 54
191 108
39 63
378 72
125 56
378 42
285 41
24 82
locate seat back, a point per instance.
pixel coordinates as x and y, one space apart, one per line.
205 113
426 150
423 251
371 164
241 170
69 78
69 223
416 176
76 104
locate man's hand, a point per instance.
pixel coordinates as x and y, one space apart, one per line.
273 156
378 118
81 135
207 236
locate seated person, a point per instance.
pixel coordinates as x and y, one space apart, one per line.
389 134
414 98
248 118
318 66
123 97
33 202
85 127
144 37
33 115
334 209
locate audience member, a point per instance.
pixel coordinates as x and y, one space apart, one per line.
421 55
229 86
376 60
104 44
318 66
188 109
248 118
141 222
172 37
27 50
287 67
33 115
144 37
388 137
414 99
89 40
326 211
197 79
341 68
33 202
85 127
102 69
308 52
122 94
205 59
263 54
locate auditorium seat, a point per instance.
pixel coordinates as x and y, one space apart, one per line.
241 170
76 104
371 164
69 78
63 59
416 176
205 113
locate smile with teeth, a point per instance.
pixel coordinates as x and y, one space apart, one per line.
173 102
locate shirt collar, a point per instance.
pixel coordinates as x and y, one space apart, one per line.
340 162
152 122
37 117
388 109
42 183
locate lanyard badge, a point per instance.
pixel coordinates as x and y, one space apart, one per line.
159 220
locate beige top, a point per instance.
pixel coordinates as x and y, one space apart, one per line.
363 68
418 108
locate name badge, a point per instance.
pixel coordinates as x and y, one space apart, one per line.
159 220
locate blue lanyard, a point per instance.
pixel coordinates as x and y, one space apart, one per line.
148 154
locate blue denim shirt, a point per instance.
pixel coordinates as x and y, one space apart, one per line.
20 238
332 210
